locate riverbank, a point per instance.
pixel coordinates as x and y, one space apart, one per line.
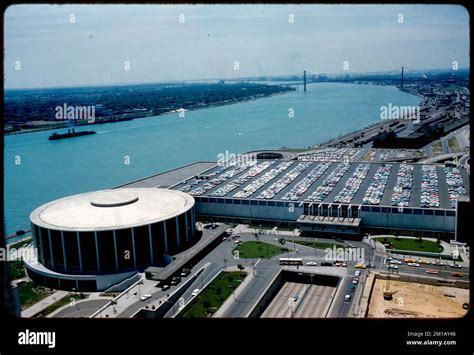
67 124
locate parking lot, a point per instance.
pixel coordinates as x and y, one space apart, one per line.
384 184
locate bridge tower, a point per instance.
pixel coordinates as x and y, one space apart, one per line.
401 85
304 80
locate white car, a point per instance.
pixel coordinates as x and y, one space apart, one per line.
357 273
391 266
413 264
145 297
195 292
395 261
312 263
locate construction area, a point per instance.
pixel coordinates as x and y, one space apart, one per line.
416 300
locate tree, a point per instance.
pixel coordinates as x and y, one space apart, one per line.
418 236
206 303
396 234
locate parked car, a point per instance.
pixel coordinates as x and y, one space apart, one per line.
185 272
312 263
145 297
347 298
195 292
176 280
165 287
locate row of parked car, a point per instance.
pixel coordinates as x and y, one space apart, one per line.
251 188
230 172
429 187
403 187
284 181
255 170
303 185
196 181
375 191
329 183
334 155
352 184
455 184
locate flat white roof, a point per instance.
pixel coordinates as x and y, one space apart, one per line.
112 209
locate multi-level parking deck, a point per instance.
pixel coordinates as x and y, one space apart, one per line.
397 195
376 184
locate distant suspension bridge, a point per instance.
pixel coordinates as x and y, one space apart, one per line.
398 74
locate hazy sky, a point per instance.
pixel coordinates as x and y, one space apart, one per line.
53 50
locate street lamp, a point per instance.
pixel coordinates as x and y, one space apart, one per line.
233 289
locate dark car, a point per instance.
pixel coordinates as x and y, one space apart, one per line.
326 263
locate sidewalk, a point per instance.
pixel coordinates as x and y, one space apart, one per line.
38 307
242 228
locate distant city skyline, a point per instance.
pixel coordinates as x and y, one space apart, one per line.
82 45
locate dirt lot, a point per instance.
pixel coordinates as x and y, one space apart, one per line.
415 300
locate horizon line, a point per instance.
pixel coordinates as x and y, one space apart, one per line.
212 79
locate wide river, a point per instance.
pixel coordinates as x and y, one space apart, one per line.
38 171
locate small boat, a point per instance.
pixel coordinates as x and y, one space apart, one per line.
70 134
18 233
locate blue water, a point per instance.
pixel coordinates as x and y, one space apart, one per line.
54 169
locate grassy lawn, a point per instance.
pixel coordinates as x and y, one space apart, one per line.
255 250
318 245
20 244
58 304
17 269
213 296
31 294
437 148
413 244
453 144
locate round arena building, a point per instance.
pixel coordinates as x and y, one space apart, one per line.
92 241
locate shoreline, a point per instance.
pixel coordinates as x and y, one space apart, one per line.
212 105
380 124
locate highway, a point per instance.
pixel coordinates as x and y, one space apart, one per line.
316 302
